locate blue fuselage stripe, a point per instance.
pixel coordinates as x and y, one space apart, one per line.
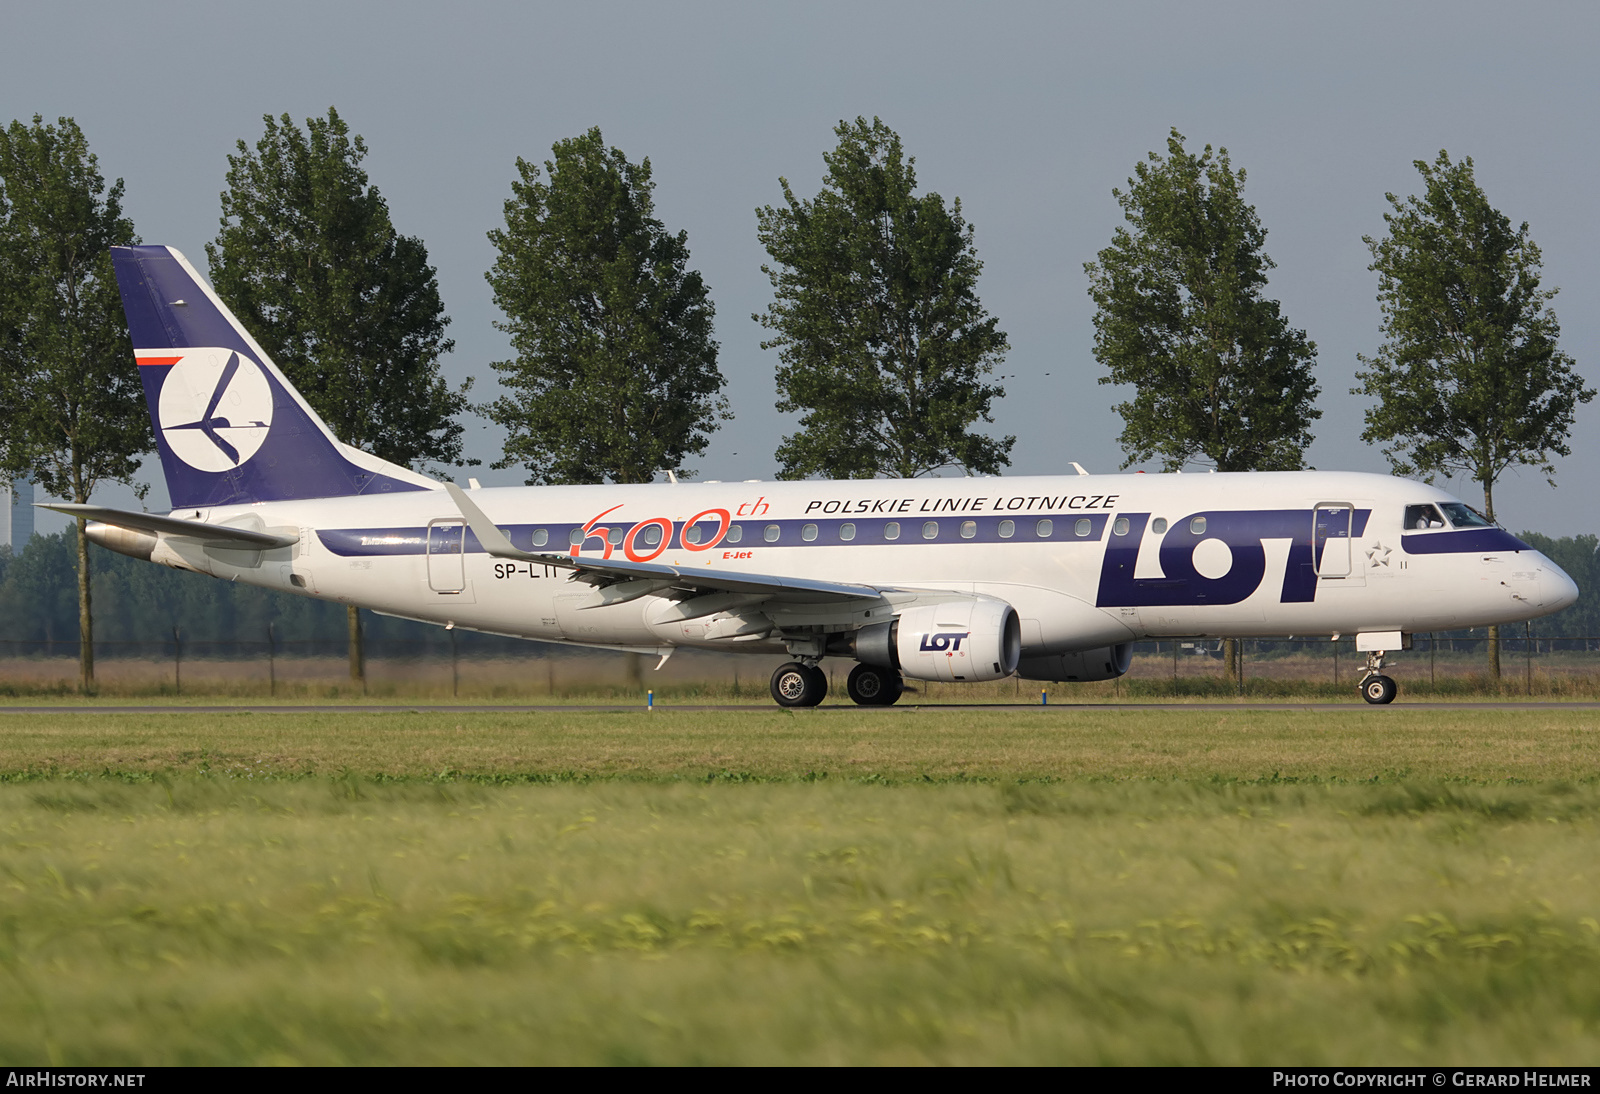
1062 529
1238 529
1467 541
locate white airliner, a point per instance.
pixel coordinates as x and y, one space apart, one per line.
1050 578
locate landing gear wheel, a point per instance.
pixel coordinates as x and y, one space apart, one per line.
798 685
871 686
1379 690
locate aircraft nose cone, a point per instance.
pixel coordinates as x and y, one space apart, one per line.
1559 589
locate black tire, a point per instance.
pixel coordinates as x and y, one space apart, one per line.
797 685
871 686
1379 690
820 680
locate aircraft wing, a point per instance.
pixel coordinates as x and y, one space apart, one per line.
794 590
212 535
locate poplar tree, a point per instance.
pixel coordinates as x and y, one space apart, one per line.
615 375
885 348
72 409
1469 378
310 262
1181 316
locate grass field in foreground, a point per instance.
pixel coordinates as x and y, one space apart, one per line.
827 887
1361 743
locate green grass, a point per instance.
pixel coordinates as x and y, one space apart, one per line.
1366 886
1061 743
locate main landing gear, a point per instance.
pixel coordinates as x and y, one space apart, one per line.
871 686
1375 687
797 684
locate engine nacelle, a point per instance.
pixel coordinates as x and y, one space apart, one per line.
977 639
1082 666
124 541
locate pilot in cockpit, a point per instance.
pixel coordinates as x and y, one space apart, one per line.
1422 516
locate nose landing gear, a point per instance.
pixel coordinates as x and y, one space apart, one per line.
1376 688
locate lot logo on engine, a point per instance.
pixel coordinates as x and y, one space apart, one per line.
942 641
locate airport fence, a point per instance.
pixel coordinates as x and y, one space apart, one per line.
482 666
1531 664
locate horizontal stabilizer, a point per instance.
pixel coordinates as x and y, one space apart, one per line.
794 590
212 535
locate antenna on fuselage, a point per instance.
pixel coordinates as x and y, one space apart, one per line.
1078 467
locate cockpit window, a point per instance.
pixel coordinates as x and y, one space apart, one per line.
1464 516
1422 516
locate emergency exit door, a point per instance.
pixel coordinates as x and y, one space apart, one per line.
1330 540
445 570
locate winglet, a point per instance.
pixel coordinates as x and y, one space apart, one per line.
492 538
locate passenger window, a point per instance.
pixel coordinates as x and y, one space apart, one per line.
809 533
770 533
1044 528
1158 525
1422 516
969 528
1198 526
540 537
575 536
1120 527
652 534
691 534
1083 527
847 532
891 530
930 529
735 533
1008 528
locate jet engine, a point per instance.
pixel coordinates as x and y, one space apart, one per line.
976 639
124 541
1081 666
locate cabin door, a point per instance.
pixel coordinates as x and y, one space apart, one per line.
1330 544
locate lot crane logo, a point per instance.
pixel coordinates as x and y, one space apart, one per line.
215 409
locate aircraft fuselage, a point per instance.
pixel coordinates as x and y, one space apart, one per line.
1086 560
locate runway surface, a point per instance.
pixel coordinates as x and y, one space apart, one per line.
619 708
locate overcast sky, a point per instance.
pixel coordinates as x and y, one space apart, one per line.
1029 113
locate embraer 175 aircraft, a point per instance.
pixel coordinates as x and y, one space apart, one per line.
1051 578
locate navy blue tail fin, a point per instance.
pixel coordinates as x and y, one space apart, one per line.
230 427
